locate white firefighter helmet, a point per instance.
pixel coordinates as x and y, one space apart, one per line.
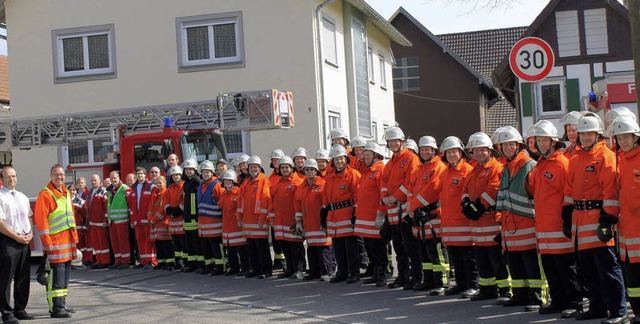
411 144
496 135
623 125
468 146
428 141
543 128
478 140
336 151
230 175
241 159
254 159
570 118
277 153
286 160
509 134
176 169
338 133
614 113
590 123
207 165
322 154
190 163
300 151
77 262
311 163
451 142
375 148
394 133
358 141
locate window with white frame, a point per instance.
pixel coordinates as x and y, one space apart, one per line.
84 52
383 71
551 98
90 151
406 74
385 128
233 141
210 40
329 47
334 120
372 77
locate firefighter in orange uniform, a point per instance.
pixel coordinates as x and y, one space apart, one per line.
279 261
174 208
627 134
423 207
53 216
210 221
518 223
591 205
323 160
456 228
556 251
338 214
282 216
159 222
253 208
478 204
227 195
367 207
395 179
357 152
308 201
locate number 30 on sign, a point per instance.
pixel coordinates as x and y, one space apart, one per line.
531 59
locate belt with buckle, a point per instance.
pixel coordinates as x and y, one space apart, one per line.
587 204
340 205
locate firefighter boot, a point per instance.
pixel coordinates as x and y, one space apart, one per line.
205 270
218 270
381 277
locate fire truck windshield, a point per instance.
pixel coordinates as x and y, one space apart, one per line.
205 145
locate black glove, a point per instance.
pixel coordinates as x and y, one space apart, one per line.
567 210
605 233
385 230
353 218
498 238
177 211
479 206
409 220
473 210
169 211
324 213
607 219
465 202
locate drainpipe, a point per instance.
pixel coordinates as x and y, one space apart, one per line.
321 69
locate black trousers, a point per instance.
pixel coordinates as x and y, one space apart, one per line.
211 248
322 261
412 252
526 277
238 258
347 256
562 276
259 255
278 251
294 256
179 245
133 247
401 257
377 251
192 248
603 276
14 265
464 262
58 285
364 258
632 280
164 253
439 258
492 269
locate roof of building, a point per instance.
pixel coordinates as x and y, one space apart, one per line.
484 82
4 79
484 50
504 77
380 22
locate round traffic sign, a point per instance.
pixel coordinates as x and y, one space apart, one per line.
531 59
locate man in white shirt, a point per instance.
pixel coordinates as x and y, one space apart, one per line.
15 235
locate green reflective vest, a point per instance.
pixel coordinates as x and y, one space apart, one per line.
61 219
512 195
117 207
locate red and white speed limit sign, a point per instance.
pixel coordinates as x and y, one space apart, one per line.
531 59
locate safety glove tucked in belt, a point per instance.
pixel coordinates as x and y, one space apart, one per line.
324 213
567 210
605 228
472 210
299 228
379 219
353 218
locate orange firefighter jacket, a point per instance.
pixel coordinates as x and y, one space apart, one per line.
157 216
456 228
232 234
175 198
395 180
64 243
368 201
253 206
340 187
282 209
629 226
483 183
424 189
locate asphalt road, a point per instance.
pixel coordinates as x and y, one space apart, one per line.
146 296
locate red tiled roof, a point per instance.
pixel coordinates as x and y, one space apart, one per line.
4 79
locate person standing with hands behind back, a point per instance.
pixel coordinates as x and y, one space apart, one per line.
15 235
